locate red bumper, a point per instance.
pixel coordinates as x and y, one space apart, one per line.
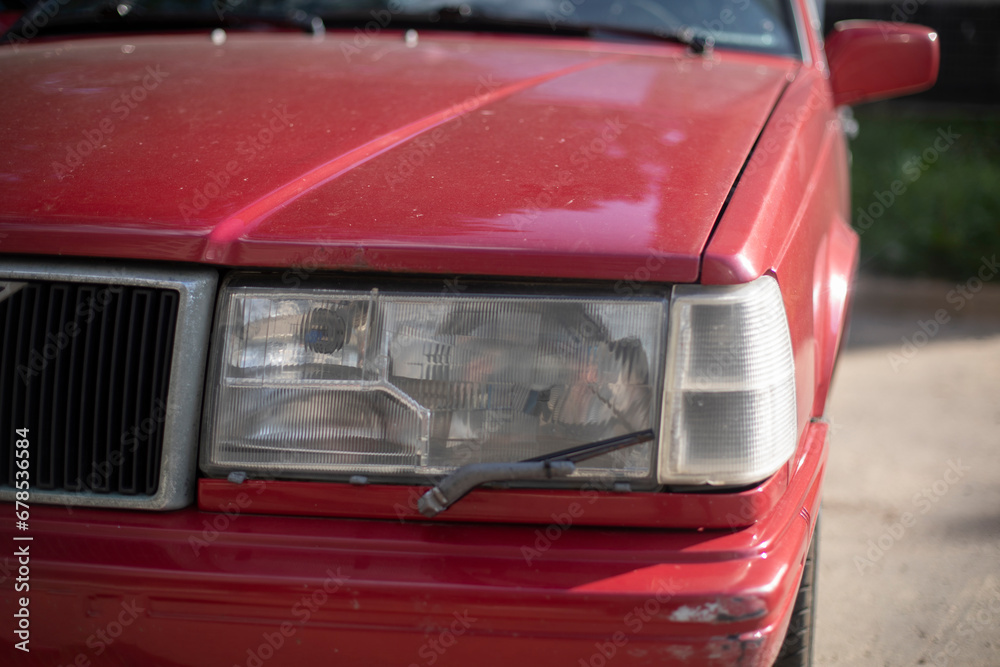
129 588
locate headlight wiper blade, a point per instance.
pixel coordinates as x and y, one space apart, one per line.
595 449
555 464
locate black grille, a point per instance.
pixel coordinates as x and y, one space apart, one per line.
85 368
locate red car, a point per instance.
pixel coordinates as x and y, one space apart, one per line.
419 333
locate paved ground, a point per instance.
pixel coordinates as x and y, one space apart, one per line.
910 550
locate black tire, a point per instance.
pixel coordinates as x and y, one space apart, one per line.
797 649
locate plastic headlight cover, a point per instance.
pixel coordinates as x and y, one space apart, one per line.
729 413
319 384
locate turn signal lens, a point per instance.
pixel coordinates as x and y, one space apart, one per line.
729 413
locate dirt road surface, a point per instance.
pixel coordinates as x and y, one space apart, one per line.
910 529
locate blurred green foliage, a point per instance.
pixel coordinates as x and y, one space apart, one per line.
945 212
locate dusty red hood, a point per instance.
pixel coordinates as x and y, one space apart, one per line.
477 155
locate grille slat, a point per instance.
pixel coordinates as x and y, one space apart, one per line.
67 398
142 397
161 375
131 417
84 366
105 362
25 335
113 377
87 398
45 472
8 373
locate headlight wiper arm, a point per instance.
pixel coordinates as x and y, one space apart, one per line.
555 464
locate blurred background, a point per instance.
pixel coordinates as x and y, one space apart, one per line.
910 562
951 214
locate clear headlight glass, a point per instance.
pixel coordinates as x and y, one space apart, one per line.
327 383
729 413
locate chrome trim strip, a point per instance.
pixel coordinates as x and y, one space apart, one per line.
195 308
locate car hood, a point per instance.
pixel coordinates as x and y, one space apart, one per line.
489 155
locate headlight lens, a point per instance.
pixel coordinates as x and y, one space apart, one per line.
729 412
323 383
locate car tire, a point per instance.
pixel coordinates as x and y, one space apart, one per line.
797 649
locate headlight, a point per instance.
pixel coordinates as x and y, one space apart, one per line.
729 412
328 383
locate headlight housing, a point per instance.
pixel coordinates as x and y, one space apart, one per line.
400 385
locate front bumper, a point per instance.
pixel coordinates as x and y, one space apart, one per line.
130 588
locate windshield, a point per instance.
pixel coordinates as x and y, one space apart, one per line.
757 25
